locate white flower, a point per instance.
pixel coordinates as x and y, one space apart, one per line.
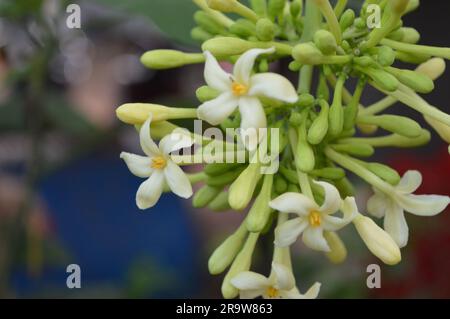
242 89
280 284
391 206
312 220
158 167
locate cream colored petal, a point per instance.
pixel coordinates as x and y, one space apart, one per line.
249 280
150 191
253 118
177 140
218 110
250 294
215 76
283 276
177 180
244 66
273 86
333 199
293 203
313 238
423 205
313 292
410 182
376 205
288 232
138 165
147 144
395 224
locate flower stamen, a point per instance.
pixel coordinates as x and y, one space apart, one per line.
158 162
272 292
314 218
239 89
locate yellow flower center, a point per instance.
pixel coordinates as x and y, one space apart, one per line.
239 89
314 219
158 162
272 292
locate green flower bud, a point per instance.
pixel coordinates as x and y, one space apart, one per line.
205 195
412 5
352 109
336 112
323 91
138 113
293 188
160 129
290 175
205 93
306 100
415 80
360 23
264 66
386 56
259 6
225 178
220 203
308 53
280 184
338 252
265 29
200 35
241 263
355 149
384 172
259 214
347 19
383 79
215 169
275 8
333 173
222 5
168 59
295 119
319 127
295 66
377 240
243 28
325 42
414 58
242 189
224 255
296 8
207 23
433 68
227 46
441 128
305 158
346 46
345 187
410 35
365 61
393 123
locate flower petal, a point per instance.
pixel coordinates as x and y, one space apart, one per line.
147 144
177 180
284 277
410 182
273 86
138 165
177 140
150 191
395 224
333 199
249 280
244 65
313 292
376 205
293 203
288 232
250 294
215 76
216 111
313 238
253 118
423 205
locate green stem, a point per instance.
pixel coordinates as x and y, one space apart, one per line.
303 179
379 106
417 49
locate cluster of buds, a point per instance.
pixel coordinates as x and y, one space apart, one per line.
316 133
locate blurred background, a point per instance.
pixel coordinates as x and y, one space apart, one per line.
67 198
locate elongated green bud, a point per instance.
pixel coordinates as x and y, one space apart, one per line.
385 80
347 19
352 109
386 56
168 59
205 195
412 5
415 80
410 35
325 42
332 21
242 189
220 203
305 100
319 128
160 129
413 58
224 255
364 61
295 119
223 5
227 46
215 169
290 175
393 123
295 66
207 23
359 150
442 129
384 172
336 113
206 93
243 28
433 68
241 263
265 29
200 35
305 158
225 178
138 113
333 173
293 188
280 184
308 53
259 6
296 8
377 240
345 187
259 214
323 91
338 252
275 8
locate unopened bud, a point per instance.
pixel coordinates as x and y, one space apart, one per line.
338 252
325 42
168 59
242 189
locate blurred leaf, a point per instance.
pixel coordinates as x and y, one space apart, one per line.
11 115
173 17
18 8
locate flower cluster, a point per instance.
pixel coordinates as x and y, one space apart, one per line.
324 131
